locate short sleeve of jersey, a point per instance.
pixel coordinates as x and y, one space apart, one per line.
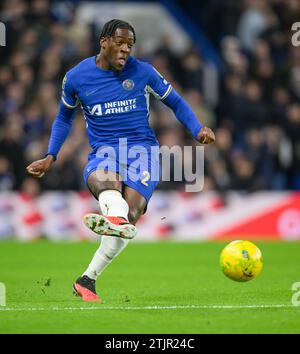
157 84
68 97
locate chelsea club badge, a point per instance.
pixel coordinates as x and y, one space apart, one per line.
128 84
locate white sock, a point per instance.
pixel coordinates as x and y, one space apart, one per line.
109 249
113 204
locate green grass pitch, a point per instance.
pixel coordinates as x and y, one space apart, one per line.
163 287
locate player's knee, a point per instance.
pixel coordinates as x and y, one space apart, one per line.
98 184
134 214
108 185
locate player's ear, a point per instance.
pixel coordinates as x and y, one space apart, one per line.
103 42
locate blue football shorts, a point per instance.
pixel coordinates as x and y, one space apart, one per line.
137 165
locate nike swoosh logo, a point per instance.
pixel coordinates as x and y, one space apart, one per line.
90 93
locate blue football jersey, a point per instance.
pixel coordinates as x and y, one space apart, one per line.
115 105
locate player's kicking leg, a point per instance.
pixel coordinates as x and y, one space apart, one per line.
128 209
113 220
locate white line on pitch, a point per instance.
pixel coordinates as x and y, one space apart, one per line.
134 308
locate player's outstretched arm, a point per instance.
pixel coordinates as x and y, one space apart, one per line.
162 90
60 130
187 117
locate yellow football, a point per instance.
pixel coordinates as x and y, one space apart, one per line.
241 260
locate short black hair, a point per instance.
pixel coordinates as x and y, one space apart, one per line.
111 26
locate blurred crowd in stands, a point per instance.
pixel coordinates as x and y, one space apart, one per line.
256 116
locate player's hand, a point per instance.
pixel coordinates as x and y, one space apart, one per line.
38 168
206 136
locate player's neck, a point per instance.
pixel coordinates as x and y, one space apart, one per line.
102 62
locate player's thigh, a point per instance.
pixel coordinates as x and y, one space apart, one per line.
100 180
136 202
